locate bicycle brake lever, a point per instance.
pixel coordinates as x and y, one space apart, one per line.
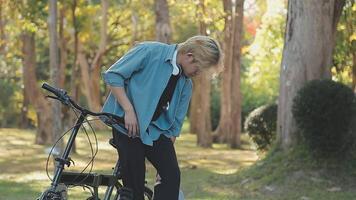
52 97
64 101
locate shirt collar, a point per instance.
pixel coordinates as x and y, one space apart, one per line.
174 63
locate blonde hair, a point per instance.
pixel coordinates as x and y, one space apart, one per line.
206 51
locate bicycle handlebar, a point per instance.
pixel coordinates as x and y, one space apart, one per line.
63 97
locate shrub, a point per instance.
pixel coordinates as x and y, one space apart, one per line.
323 111
261 125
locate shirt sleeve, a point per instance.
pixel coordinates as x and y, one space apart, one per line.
182 110
123 69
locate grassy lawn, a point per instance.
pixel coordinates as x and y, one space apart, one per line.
218 173
22 165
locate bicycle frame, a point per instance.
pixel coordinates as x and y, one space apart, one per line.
85 179
64 158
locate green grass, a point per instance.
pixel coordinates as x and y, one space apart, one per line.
217 173
295 174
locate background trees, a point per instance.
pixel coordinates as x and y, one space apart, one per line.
91 35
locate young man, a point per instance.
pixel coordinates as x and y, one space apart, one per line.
151 88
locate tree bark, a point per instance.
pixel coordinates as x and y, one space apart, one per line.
234 138
354 72
135 25
163 27
200 119
74 81
54 70
25 122
42 106
63 49
224 127
229 128
91 71
307 55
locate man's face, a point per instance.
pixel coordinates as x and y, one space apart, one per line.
190 68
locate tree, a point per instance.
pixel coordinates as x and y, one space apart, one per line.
200 122
42 106
234 137
163 27
2 27
225 122
90 71
229 128
55 72
32 19
306 55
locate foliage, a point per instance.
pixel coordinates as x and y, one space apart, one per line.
10 103
14 22
260 75
261 125
323 111
345 45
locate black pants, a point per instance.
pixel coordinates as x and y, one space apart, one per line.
132 154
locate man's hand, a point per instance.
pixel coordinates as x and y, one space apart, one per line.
131 123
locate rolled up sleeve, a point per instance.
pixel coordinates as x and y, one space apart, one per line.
123 69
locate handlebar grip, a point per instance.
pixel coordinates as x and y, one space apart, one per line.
55 91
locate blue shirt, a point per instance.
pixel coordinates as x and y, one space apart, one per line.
144 72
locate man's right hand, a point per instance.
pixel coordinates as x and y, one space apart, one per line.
131 123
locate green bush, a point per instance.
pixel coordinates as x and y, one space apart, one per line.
323 111
261 125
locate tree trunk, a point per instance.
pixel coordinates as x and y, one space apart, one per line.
54 69
42 106
91 72
234 138
2 28
135 25
74 81
202 109
25 122
354 71
96 64
63 49
307 55
163 27
200 119
223 130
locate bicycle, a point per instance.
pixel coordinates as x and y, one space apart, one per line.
63 179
